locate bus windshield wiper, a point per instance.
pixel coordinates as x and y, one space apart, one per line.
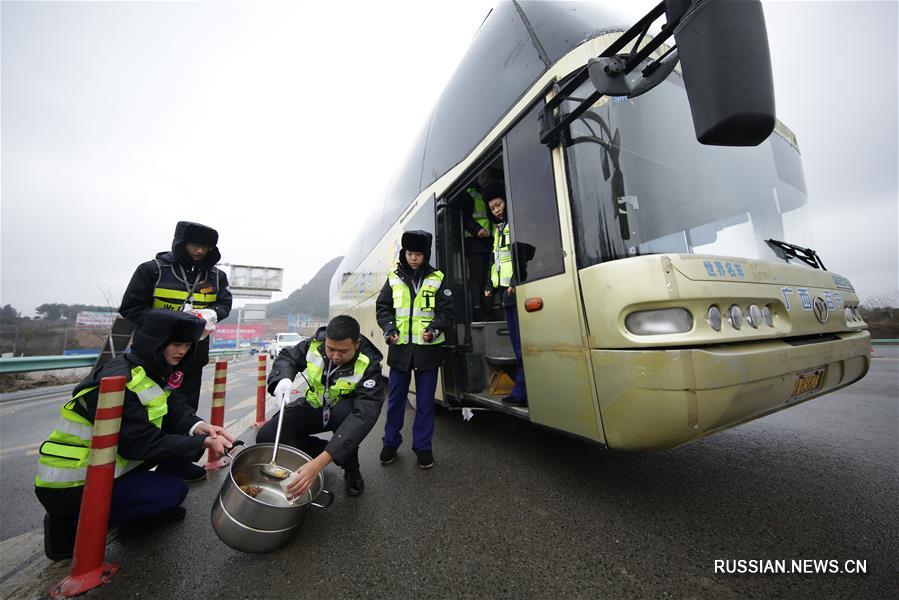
787 251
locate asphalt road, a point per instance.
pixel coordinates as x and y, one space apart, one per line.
514 511
25 424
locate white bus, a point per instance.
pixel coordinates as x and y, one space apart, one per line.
669 289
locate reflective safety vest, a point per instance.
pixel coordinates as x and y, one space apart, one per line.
480 211
501 271
173 292
64 456
413 316
330 393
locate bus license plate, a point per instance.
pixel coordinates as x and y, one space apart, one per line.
807 383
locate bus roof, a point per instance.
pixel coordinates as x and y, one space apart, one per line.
515 45
517 42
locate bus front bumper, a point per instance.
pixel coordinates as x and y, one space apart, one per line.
658 399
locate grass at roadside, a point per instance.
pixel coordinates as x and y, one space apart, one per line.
14 382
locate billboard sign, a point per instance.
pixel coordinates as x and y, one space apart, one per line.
297 321
254 312
248 333
87 318
252 278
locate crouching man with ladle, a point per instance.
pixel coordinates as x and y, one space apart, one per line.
345 393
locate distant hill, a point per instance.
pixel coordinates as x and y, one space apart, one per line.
312 298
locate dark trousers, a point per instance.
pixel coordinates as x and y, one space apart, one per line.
136 496
478 275
301 421
423 427
519 392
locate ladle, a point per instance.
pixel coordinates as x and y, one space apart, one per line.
272 470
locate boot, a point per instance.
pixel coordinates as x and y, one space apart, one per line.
353 482
59 537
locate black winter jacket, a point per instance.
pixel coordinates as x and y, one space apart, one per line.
406 357
367 398
139 439
138 297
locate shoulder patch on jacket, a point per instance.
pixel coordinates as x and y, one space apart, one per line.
368 383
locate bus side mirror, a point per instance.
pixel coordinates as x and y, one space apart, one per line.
726 64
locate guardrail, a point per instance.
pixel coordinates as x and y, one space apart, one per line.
26 364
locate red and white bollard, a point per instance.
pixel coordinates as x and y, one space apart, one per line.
214 460
260 393
88 569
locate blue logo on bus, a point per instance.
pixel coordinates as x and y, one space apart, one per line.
842 283
786 294
806 299
828 298
724 269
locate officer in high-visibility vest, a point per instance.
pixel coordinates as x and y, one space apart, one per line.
414 309
478 246
183 279
503 280
345 392
157 424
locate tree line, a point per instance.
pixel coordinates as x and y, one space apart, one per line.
53 311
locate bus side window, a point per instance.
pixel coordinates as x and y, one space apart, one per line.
532 201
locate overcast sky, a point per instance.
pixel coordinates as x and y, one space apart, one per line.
278 123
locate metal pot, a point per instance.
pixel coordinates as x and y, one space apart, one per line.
269 520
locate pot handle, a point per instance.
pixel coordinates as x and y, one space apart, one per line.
330 499
233 446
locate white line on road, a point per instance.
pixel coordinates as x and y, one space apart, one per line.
251 401
9 408
6 451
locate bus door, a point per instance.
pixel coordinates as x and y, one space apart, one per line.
558 374
450 259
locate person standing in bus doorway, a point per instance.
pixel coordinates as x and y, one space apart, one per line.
183 279
478 245
414 308
503 281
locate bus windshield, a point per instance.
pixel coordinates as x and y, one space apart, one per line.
641 184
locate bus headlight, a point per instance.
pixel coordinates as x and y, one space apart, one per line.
769 318
714 318
735 316
659 322
847 313
755 316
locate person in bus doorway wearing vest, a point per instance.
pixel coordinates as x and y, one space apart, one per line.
478 246
157 424
345 393
414 308
183 279
503 281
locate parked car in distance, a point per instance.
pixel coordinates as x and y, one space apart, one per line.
283 340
